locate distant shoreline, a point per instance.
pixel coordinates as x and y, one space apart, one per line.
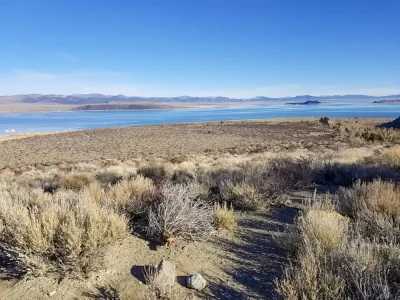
13 107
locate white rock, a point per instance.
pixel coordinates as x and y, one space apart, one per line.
196 281
166 273
52 293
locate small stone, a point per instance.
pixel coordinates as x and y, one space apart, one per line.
166 272
196 281
52 293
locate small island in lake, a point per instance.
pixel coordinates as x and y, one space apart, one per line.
310 102
393 101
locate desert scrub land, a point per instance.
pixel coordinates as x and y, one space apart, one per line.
262 210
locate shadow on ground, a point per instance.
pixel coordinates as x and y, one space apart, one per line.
10 268
256 256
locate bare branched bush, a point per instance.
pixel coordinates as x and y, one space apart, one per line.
177 214
60 232
286 174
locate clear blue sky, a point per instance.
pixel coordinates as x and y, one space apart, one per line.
200 47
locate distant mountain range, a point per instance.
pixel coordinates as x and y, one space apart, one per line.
79 99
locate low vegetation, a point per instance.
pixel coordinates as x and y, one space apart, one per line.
60 232
348 251
225 217
60 220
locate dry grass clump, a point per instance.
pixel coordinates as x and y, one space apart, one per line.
177 214
388 157
76 180
353 257
374 206
242 196
325 229
127 197
61 232
225 217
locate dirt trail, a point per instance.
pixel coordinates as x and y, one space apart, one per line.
254 255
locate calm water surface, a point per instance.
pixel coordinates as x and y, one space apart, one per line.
61 121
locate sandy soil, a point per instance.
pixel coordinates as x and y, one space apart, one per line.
172 142
164 141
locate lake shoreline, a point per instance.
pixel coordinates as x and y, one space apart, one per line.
266 120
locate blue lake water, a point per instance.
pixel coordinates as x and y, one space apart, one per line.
76 120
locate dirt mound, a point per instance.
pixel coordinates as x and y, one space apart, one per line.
393 124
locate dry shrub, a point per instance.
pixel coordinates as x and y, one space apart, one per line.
76 181
156 173
374 206
178 214
182 177
85 167
225 217
127 197
114 174
389 157
325 229
348 258
392 157
242 196
310 278
106 178
348 174
313 274
60 232
286 174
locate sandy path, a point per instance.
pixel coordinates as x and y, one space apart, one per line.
254 255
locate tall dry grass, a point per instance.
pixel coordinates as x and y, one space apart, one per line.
225 217
127 197
351 256
62 232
